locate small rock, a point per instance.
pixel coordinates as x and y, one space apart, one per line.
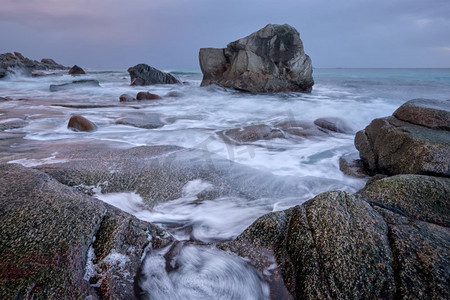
148 121
174 94
250 134
126 98
301 128
79 123
147 96
76 70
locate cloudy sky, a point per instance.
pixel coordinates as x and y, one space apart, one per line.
167 34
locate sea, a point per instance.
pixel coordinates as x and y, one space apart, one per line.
194 119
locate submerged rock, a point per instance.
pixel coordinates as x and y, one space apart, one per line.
143 74
74 84
250 134
76 70
48 250
333 124
16 62
403 146
147 96
351 165
147 121
79 123
269 60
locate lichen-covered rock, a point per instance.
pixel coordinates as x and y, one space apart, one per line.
430 113
389 145
47 230
331 247
143 74
269 60
426 198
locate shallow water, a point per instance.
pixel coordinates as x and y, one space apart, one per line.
193 120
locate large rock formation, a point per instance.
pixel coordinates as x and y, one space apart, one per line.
415 140
143 74
16 62
269 60
375 245
57 243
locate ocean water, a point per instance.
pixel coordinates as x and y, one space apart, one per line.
194 119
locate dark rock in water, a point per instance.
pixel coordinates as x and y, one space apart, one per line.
430 113
79 123
351 165
143 74
337 246
417 196
333 124
126 98
147 96
5 99
76 70
250 134
147 121
74 84
16 62
48 250
13 124
392 146
269 60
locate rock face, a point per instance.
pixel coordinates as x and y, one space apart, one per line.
12 62
74 84
76 70
48 250
416 140
269 60
143 74
374 245
79 123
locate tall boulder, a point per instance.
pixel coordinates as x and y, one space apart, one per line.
271 59
415 140
143 74
76 70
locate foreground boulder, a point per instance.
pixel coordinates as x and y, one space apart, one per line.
60 244
416 140
147 96
374 245
16 62
76 70
269 60
143 74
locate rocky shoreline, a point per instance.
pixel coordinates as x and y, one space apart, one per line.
389 240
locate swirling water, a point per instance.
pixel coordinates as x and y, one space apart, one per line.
193 119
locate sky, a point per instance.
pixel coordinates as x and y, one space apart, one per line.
167 34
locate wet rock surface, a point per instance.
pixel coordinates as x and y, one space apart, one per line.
271 59
147 96
143 74
47 231
393 146
147 121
